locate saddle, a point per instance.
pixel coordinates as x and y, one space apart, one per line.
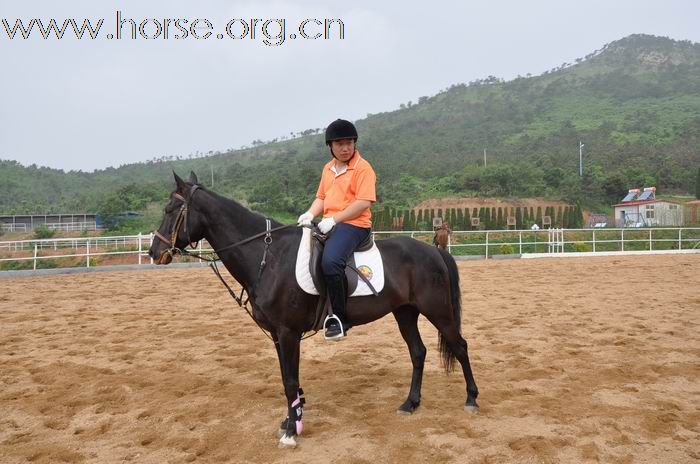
352 274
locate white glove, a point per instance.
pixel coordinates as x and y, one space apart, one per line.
305 219
326 225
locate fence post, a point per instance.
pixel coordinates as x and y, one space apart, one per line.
680 246
140 249
593 240
520 241
487 244
150 243
87 252
622 239
35 252
199 252
449 242
563 241
651 247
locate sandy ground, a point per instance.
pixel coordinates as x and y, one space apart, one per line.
577 360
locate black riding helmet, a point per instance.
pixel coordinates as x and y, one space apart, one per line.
340 129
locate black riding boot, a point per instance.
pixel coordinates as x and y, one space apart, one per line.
337 288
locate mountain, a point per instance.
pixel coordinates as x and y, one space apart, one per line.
635 104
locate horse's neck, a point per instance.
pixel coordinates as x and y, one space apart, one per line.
228 222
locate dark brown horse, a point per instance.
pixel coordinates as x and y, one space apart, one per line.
420 279
442 236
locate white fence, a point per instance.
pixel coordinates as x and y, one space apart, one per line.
9 227
88 248
549 242
60 226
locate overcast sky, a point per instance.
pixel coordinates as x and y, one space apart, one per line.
89 104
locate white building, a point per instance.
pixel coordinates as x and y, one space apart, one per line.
642 209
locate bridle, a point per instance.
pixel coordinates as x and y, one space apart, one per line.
172 250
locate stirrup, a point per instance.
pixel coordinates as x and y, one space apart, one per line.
340 324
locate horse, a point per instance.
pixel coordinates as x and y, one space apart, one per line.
260 254
442 235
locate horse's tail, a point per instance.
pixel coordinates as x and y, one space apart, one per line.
446 353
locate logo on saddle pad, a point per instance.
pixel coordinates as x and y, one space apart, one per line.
366 271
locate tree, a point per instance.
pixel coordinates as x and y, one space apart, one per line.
412 220
538 218
419 220
386 219
578 217
500 223
377 220
518 218
42 232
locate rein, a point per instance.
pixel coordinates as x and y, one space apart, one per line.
173 250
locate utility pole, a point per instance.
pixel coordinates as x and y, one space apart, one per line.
212 176
484 157
580 158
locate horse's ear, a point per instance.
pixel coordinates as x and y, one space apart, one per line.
193 178
180 183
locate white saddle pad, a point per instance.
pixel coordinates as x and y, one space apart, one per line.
368 262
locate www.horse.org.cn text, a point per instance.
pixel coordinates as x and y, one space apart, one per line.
271 32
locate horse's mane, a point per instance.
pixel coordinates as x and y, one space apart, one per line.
238 209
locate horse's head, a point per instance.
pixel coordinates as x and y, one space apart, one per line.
182 224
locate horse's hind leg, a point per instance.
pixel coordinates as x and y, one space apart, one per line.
407 317
458 346
461 352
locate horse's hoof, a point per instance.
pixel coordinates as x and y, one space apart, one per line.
471 408
401 412
287 441
280 433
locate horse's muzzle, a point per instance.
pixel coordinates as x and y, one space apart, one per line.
165 257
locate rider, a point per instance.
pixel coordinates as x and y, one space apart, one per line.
344 196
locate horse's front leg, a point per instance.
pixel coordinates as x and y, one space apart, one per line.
288 348
300 394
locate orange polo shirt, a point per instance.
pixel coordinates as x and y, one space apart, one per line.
338 190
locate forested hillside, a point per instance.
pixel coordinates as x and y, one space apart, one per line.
635 104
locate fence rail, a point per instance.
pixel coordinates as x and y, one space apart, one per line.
19 254
9 227
497 242
59 226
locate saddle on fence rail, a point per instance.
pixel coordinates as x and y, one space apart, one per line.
364 270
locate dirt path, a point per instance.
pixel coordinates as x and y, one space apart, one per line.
577 360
